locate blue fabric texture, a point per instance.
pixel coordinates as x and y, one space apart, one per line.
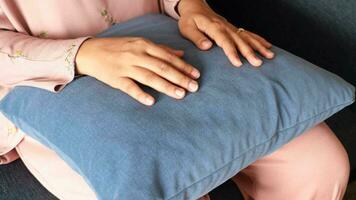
178 149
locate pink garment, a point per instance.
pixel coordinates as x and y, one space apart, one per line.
52 172
313 166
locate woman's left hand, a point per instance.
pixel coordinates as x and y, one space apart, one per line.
198 23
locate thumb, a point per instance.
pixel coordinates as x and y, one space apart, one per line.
192 33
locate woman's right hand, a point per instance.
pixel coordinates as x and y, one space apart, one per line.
119 62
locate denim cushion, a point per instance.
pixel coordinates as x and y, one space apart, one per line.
178 149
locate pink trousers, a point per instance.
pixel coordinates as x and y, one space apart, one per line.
314 166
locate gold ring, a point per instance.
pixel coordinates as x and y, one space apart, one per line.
240 30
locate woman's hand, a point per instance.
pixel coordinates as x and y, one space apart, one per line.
119 62
198 22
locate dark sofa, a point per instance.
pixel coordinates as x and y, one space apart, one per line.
321 31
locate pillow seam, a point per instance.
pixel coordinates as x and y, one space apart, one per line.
260 144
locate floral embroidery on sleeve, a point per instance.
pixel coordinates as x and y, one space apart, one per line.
69 57
18 54
43 34
107 16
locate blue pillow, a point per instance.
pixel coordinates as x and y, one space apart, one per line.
178 149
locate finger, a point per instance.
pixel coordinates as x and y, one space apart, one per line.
191 32
168 72
156 82
132 89
257 37
261 39
255 44
174 60
176 52
246 51
224 41
217 32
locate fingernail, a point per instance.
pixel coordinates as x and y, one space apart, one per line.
180 92
270 54
149 100
195 73
193 86
206 44
237 62
258 62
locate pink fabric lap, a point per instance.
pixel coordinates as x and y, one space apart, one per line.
52 172
313 166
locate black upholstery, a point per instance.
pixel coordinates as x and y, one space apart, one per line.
17 183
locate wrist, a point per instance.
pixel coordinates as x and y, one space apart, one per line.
80 59
187 6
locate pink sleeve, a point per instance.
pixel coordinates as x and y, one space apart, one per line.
43 63
27 60
169 7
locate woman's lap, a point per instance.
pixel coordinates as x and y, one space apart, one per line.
314 165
